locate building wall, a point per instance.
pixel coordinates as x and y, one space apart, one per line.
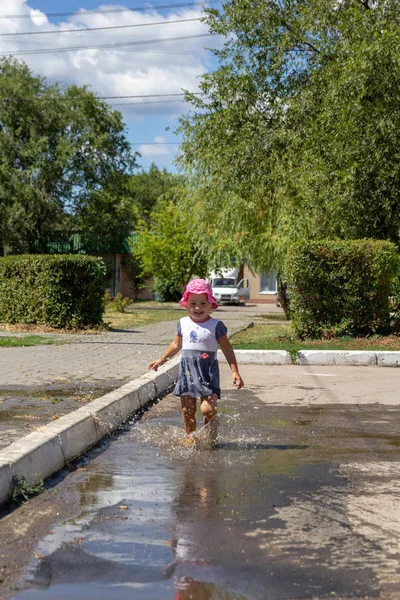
126 286
256 294
118 281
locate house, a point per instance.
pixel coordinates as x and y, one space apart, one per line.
263 287
114 255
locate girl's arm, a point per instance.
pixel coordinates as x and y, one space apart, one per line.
169 353
231 358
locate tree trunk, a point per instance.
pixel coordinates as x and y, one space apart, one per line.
283 298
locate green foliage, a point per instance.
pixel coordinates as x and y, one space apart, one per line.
107 215
345 129
168 289
56 400
64 159
147 187
118 304
107 299
341 287
166 249
296 134
9 341
23 491
394 302
134 273
60 291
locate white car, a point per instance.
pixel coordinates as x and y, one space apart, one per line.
226 289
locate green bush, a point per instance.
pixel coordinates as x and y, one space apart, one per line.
394 302
118 304
341 287
167 290
63 291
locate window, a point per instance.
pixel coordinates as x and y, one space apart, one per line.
268 283
223 282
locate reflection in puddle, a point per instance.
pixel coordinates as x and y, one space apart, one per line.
190 589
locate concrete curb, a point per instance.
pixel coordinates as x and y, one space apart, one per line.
45 451
388 359
260 357
336 357
354 358
349 357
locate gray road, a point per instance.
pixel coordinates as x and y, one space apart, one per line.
300 499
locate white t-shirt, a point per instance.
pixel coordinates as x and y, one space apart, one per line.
201 336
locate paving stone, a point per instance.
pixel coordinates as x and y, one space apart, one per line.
115 355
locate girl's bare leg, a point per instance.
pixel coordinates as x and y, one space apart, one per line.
208 407
189 414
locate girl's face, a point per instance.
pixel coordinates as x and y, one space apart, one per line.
198 306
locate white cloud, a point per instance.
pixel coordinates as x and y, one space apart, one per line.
151 152
163 68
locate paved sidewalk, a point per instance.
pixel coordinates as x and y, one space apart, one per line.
39 384
112 357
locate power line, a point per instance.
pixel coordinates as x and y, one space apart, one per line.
74 99
97 28
191 52
144 103
139 96
99 46
116 10
156 144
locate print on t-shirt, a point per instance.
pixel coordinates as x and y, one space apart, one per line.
202 336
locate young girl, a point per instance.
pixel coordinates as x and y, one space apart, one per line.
198 336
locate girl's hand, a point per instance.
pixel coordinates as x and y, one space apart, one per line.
237 380
155 364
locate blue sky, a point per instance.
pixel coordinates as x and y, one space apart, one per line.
148 69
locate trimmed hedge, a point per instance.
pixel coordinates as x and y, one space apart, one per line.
57 290
340 287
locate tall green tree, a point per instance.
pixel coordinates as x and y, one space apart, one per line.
166 249
60 148
296 134
146 187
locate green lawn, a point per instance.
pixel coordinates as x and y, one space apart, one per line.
273 317
132 318
281 337
10 341
141 316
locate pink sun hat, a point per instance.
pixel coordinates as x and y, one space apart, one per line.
198 286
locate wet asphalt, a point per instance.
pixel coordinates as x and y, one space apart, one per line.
298 499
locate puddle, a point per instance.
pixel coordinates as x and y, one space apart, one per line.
24 410
270 511
45 394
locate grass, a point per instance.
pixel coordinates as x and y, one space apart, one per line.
9 341
23 491
147 314
272 316
281 337
137 317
